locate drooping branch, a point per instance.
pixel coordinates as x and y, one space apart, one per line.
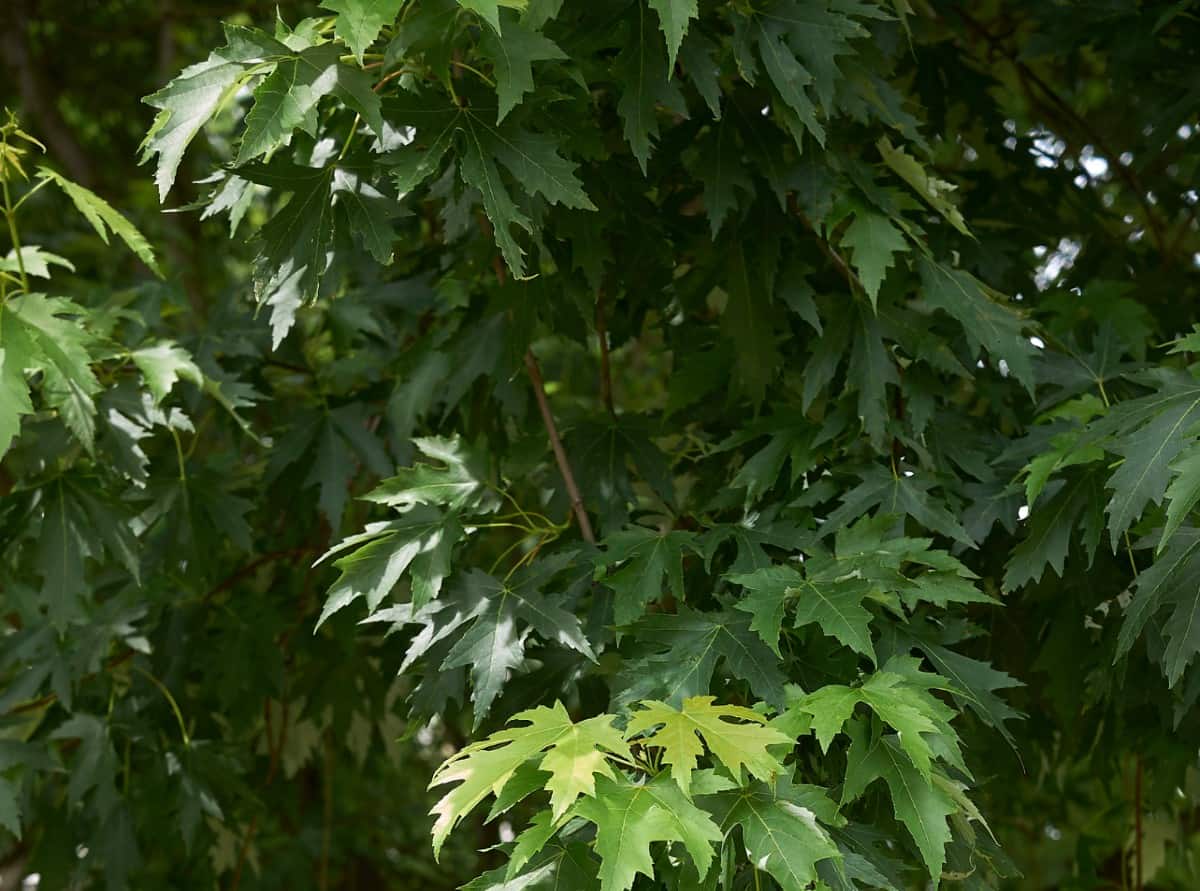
560 455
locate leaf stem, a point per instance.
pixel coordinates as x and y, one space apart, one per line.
162 688
483 77
11 216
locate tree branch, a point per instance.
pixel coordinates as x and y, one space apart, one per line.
560 456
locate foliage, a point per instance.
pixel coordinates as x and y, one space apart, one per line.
741 445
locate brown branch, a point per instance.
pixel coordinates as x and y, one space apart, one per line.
1081 124
606 394
250 567
560 456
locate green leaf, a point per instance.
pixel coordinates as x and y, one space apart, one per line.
645 82
629 818
906 707
691 643
492 646
919 803
1148 450
16 355
512 61
935 191
460 484
1183 493
791 79
985 318
48 329
360 21
10 812
734 735
295 242
781 831
420 542
489 10
673 18
1172 581
770 588
896 494
104 218
750 320
647 558
286 99
874 242
556 868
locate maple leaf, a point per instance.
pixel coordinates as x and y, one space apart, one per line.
644 78
874 241
162 365
935 191
492 646
984 317
646 558
919 803
288 96
736 737
689 645
104 218
459 485
905 706
719 166
770 589
630 817
512 59
781 828
896 494
1173 581
975 682
420 542
576 753
360 21
674 17
44 333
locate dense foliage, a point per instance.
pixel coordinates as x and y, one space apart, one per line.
661 445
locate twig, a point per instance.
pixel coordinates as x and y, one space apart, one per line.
606 395
254 564
564 466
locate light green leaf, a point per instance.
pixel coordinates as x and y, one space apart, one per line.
360 21
734 735
104 217
162 365
483 768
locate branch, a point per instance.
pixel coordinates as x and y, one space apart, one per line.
560 456
1081 124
